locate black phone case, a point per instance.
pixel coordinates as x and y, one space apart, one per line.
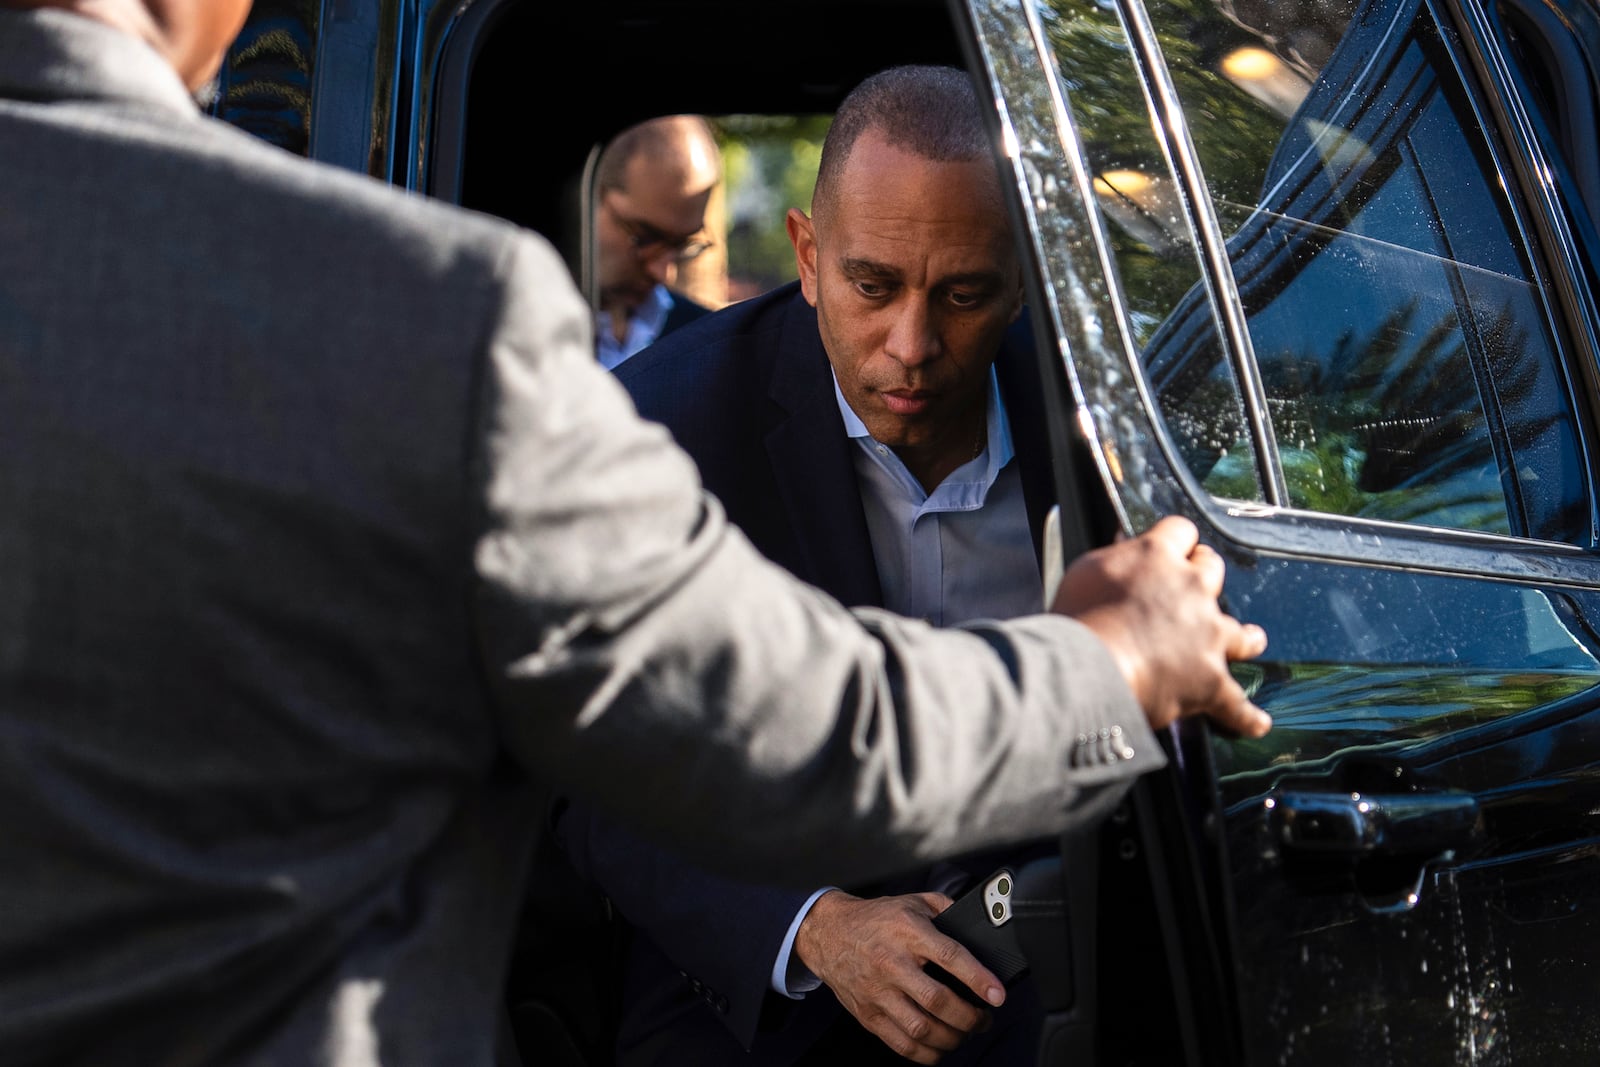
996 947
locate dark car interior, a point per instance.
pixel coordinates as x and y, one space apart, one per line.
642 58
493 152
513 137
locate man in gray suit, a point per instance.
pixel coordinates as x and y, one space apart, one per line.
323 533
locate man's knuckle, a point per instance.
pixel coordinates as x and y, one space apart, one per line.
945 953
900 1043
879 956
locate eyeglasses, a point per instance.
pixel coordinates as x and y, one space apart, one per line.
649 242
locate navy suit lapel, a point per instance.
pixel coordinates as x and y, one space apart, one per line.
813 468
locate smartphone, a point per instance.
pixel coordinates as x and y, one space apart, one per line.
981 920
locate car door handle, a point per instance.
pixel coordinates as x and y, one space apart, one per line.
1356 825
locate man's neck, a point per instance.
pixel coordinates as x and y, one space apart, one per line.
933 462
158 27
618 321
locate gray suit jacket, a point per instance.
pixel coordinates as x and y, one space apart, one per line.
321 533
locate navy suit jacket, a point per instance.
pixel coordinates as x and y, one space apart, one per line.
683 311
748 392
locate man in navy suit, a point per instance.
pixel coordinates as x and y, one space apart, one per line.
877 428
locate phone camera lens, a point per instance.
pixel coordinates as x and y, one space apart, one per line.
999 910
1004 885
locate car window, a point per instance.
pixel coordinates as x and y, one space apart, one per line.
1158 264
1407 366
770 163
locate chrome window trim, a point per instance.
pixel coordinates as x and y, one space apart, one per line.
1076 266
1222 290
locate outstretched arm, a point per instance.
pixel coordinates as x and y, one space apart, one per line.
641 653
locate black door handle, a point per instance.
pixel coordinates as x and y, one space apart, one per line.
1358 825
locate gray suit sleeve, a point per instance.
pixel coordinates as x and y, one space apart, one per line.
640 653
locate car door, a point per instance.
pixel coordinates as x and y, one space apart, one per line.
1315 283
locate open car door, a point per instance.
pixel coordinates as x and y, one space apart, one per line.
1308 276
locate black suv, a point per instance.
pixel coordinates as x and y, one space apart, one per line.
1318 274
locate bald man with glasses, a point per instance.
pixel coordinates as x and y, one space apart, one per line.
652 186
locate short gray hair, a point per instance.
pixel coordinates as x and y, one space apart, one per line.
929 110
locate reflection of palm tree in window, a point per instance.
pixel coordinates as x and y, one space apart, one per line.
1389 425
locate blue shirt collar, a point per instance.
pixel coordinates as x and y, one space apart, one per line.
964 488
643 327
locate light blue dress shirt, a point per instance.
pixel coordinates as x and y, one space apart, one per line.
962 552
644 327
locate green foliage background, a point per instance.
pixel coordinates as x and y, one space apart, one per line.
776 154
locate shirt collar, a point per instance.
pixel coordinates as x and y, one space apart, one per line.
998 449
644 326
652 314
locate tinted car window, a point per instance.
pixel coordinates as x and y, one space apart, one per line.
1407 365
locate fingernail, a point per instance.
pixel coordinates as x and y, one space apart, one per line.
995 996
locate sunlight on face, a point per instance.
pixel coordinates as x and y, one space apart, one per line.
914 276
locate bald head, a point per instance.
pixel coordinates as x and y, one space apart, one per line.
193 35
929 111
676 151
654 182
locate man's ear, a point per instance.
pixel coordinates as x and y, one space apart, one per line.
803 235
1016 307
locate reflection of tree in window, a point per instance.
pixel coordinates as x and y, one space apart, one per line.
266 81
1409 368
1387 425
1155 259
1241 69
1199 403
